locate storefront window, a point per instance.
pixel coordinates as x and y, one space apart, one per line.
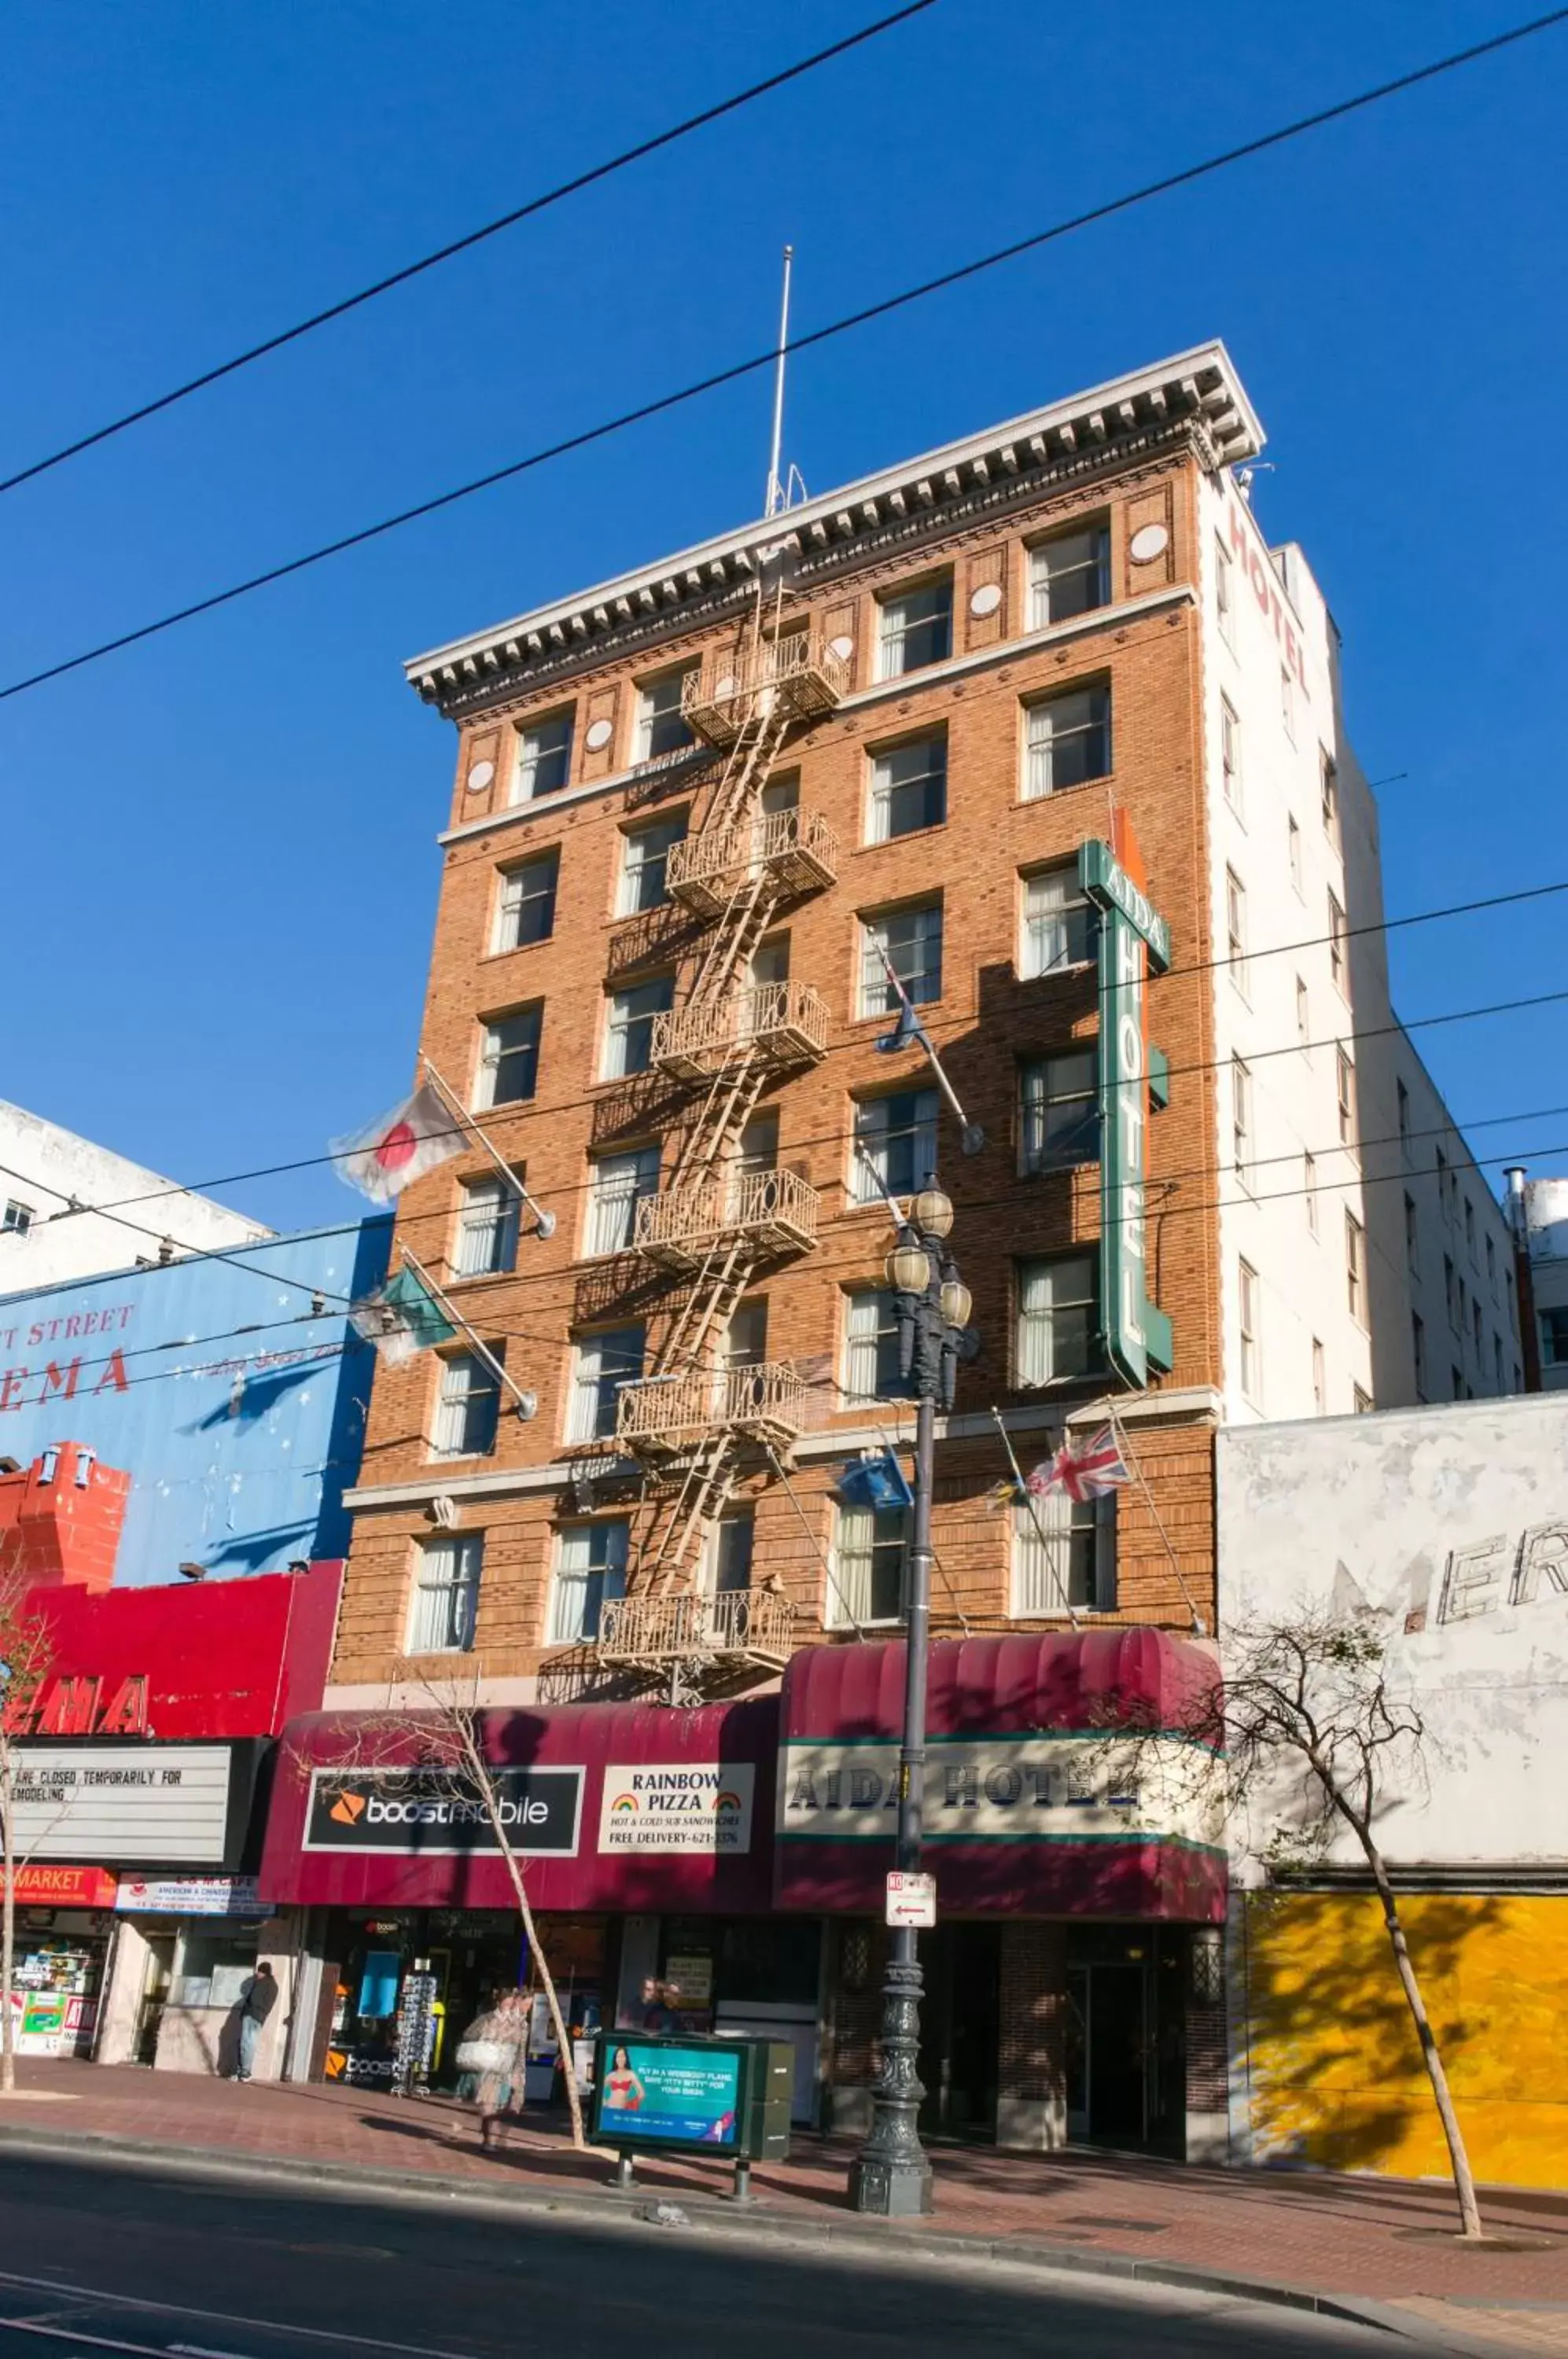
215 1967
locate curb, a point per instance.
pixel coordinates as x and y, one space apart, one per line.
713 2216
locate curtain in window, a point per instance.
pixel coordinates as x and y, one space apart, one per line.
1056 1318
446 1596
589 1566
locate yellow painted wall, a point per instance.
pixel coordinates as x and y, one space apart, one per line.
1337 2076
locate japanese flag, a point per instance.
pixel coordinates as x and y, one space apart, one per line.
416 1137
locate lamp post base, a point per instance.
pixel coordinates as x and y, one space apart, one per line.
891 2175
893 2190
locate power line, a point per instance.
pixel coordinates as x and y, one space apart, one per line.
401 277
731 375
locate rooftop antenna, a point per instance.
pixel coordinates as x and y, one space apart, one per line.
777 496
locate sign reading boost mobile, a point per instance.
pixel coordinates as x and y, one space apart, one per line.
433 1813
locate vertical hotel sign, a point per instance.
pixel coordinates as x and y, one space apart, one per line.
1134 939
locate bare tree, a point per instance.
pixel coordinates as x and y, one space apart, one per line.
27 1657
1310 1695
442 1739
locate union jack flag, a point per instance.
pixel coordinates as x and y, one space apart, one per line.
1085 1469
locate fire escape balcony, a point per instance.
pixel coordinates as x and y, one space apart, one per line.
793 675
781 1024
797 850
664 1416
743 1630
774 1212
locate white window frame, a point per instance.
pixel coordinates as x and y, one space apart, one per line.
1225 594
1093 570
1235 934
617 1186
1328 795
1049 1540
1337 944
870 1346
725 1556
645 854
636 1003
1056 922
518 893
1303 1015
1068 1077
873 1138
1355 1268
655 710
545 739
1040 1355
467 1407
914 608
590 1567
895 771
1075 720
594 1387
1249 1357
920 922
493 1052
1309 1187
1241 1122
1288 702
17 1218
1320 1379
488 1224
1293 853
1230 756
862 1536
443 1610
1344 1098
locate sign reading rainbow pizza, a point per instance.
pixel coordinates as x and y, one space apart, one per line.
693 1806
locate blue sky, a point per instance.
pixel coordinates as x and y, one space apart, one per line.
218 870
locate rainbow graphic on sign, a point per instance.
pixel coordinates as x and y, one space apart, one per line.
728 1803
625 1802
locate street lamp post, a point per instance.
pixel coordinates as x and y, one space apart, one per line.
892 2175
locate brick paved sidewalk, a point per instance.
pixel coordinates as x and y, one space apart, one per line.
1385 2241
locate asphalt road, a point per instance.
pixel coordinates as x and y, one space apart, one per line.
99 2259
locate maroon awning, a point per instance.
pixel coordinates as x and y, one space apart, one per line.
1021 1808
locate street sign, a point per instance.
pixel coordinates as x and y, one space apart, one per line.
911 1899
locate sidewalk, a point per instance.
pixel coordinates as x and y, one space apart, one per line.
1386 2243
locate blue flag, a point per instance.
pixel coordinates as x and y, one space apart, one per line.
906 1032
875 1483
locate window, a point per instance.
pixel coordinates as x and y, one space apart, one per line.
1491 1267
759 1150
1319 1381
17 1218
908 788
486 1229
544 758
1470 1230
1067 741
628 1029
643 862
1061 1111
1361 1402
1450 1292
770 962
1418 1351
508 1058
1057 1319
746 1337
1328 786
1294 850
1336 944
1345 1095
894 1143
1287 704
446 1596
601 1364
1412 1236
1058 922
466 1407
1235 931
869 1548
1310 1188
1443 1180
1476 1332
1246 1303
525 911
618 1183
1355 1268
1404 1100
1069 574
1303 1016
1063 1553
1230 757
870 1347
1498 1379
781 794
916 629
589 1566
1241 1120
910 941
1225 593
728 1559
661 728
1458 1376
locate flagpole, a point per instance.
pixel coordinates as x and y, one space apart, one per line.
544 1223
972 1138
1033 1505
1130 1459
526 1403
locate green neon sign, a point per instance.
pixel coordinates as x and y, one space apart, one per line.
1134 940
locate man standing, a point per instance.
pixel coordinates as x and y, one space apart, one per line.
257 1999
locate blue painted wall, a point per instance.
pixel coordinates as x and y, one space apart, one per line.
237 1409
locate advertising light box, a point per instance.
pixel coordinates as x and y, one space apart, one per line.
729 2097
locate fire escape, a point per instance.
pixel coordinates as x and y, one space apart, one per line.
696 1417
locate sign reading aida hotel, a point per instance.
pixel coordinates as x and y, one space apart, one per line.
677 1806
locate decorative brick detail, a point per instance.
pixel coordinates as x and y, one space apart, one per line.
1208 2086
856 1961
1031 2063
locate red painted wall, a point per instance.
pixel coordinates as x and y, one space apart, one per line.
60 1519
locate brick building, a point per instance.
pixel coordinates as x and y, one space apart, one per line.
951 717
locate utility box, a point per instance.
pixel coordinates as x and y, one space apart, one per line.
728 2097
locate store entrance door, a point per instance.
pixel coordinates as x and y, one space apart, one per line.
961 2029
157 1976
1126 2046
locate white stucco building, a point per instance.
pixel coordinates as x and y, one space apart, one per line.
45 1171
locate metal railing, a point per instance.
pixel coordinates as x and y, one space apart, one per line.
751 1623
797 847
777 1212
793 673
667 1415
781 1023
